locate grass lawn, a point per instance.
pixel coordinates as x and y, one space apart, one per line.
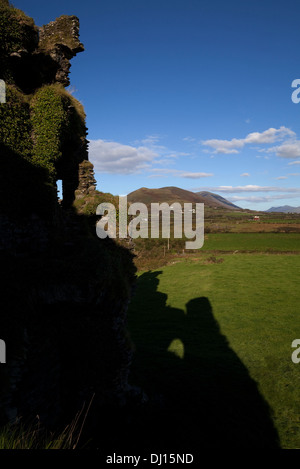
213 352
281 242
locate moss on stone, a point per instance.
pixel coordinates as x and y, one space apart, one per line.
17 30
48 120
15 129
56 118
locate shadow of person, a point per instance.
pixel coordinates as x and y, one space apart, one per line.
200 393
229 408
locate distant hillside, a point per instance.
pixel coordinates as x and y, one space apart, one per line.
175 194
216 200
284 209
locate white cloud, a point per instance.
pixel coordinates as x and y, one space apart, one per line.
117 158
224 146
189 139
269 136
261 199
294 162
287 150
165 161
250 188
178 173
114 157
151 139
152 143
191 175
280 177
263 156
232 146
245 175
72 89
177 154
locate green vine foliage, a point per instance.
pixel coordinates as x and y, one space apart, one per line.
49 122
15 129
58 124
16 29
16 154
41 128
17 32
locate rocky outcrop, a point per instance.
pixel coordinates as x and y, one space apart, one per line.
64 291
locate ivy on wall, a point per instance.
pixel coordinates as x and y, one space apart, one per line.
49 120
37 127
16 29
15 129
17 32
47 127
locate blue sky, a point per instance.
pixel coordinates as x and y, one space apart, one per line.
189 93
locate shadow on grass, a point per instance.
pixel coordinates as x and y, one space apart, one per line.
200 395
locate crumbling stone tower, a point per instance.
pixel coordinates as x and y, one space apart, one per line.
64 292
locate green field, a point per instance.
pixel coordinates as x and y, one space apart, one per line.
278 242
213 350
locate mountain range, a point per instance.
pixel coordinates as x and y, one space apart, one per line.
284 209
174 194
